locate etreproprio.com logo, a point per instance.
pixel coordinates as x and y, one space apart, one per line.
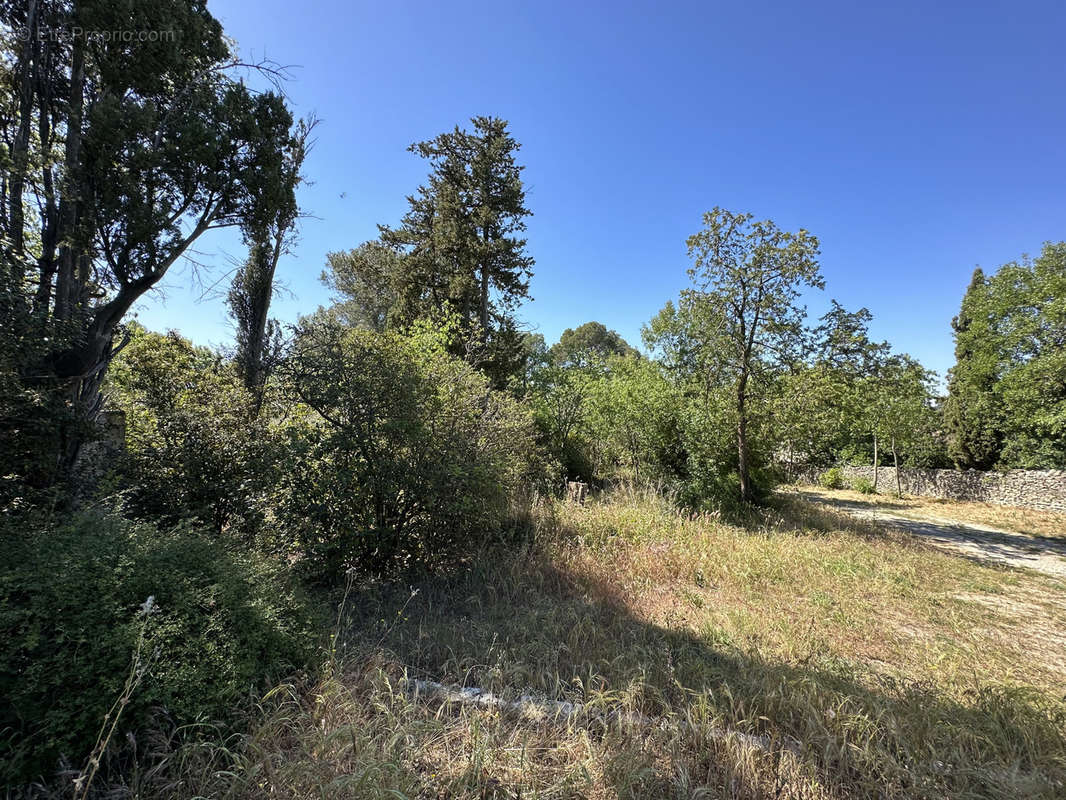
69 34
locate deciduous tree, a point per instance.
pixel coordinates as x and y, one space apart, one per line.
747 276
593 340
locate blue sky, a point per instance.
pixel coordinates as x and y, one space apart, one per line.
916 141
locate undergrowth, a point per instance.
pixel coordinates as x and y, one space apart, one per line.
859 657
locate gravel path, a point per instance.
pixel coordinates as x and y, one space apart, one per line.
969 538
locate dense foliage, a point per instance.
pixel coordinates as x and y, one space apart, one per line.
225 622
740 321
591 340
462 242
409 457
401 428
195 448
119 156
1006 401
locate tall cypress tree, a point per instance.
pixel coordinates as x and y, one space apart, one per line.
1007 401
258 336
971 411
462 239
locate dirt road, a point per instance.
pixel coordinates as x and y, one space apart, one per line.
968 538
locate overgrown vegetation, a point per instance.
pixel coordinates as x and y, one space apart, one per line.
862 658
409 458
397 459
863 486
224 623
1006 402
832 478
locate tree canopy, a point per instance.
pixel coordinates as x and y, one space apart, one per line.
591 340
121 155
462 243
1006 402
741 317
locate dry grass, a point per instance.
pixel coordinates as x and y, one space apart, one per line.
898 670
1049 524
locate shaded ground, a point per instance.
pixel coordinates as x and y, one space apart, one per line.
1030 521
864 663
971 539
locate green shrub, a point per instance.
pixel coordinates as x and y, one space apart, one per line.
195 446
863 485
709 477
406 457
633 421
832 478
625 418
69 596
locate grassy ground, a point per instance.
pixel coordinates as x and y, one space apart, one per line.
874 666
1048 524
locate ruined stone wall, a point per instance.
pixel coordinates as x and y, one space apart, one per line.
1025 488
97 457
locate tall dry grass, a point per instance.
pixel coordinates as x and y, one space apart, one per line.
868 664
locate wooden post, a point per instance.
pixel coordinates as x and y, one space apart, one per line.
876 468
895 462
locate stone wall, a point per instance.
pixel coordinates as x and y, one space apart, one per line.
1025 488
96 457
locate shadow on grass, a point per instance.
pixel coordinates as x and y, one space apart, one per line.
872 501
524 623
981 544
798 512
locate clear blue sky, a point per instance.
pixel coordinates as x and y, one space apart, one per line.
916 139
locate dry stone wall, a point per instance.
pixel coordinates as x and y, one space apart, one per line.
97 456
1025 488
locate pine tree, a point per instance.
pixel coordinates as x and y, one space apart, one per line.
462 239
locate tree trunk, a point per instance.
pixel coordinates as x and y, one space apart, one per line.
81 368
483 315
68 292
259 290
895 463
875 462
742 439
20 148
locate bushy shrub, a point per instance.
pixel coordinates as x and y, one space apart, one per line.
195 447
863 485
832 478
69 596
407 457
559 397
709 476
625 418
